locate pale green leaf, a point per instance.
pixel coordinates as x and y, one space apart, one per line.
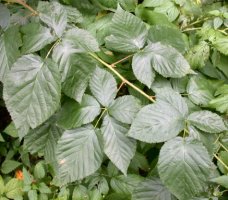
125 184
13 189
4 17
128 5
32 91
79 154
103 86
32 195
125 108
220 102
44 139
169 9
73 15
9 165
221 180
200 90
164 59
128 32
167 35
184 167
9 50
162 120
153 3
78 76
39 170
81 40
151 189
117 146
217 22
221 43
80 193
2 186
11 130
207 121
198 55
54 15
35 37
43 188
73 114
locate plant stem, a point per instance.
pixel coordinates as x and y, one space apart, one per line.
122 78
223 146
53 46
121 60
192 29
221 161
23 3
99 119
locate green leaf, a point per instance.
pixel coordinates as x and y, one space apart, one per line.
73 15
9 166
39 170
9 50
32 91
207 121
2 186
200 90
43 188
35 37
221 43
128 32
198 55
125 184
103 86
100 184
168 36
27 178
117 146
13 189
221 180
164 59
4 17
78 76
153 3
162 120
11 130
81 40
217 22
184 167
73 114
54 15
80 193
128 5
169 9
125 108
220 102
79 154
44 139
32 195
151 188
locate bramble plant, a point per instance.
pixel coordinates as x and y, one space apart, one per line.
114 99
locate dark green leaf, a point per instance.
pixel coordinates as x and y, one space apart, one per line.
9 165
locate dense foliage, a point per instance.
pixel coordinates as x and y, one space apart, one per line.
114 99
